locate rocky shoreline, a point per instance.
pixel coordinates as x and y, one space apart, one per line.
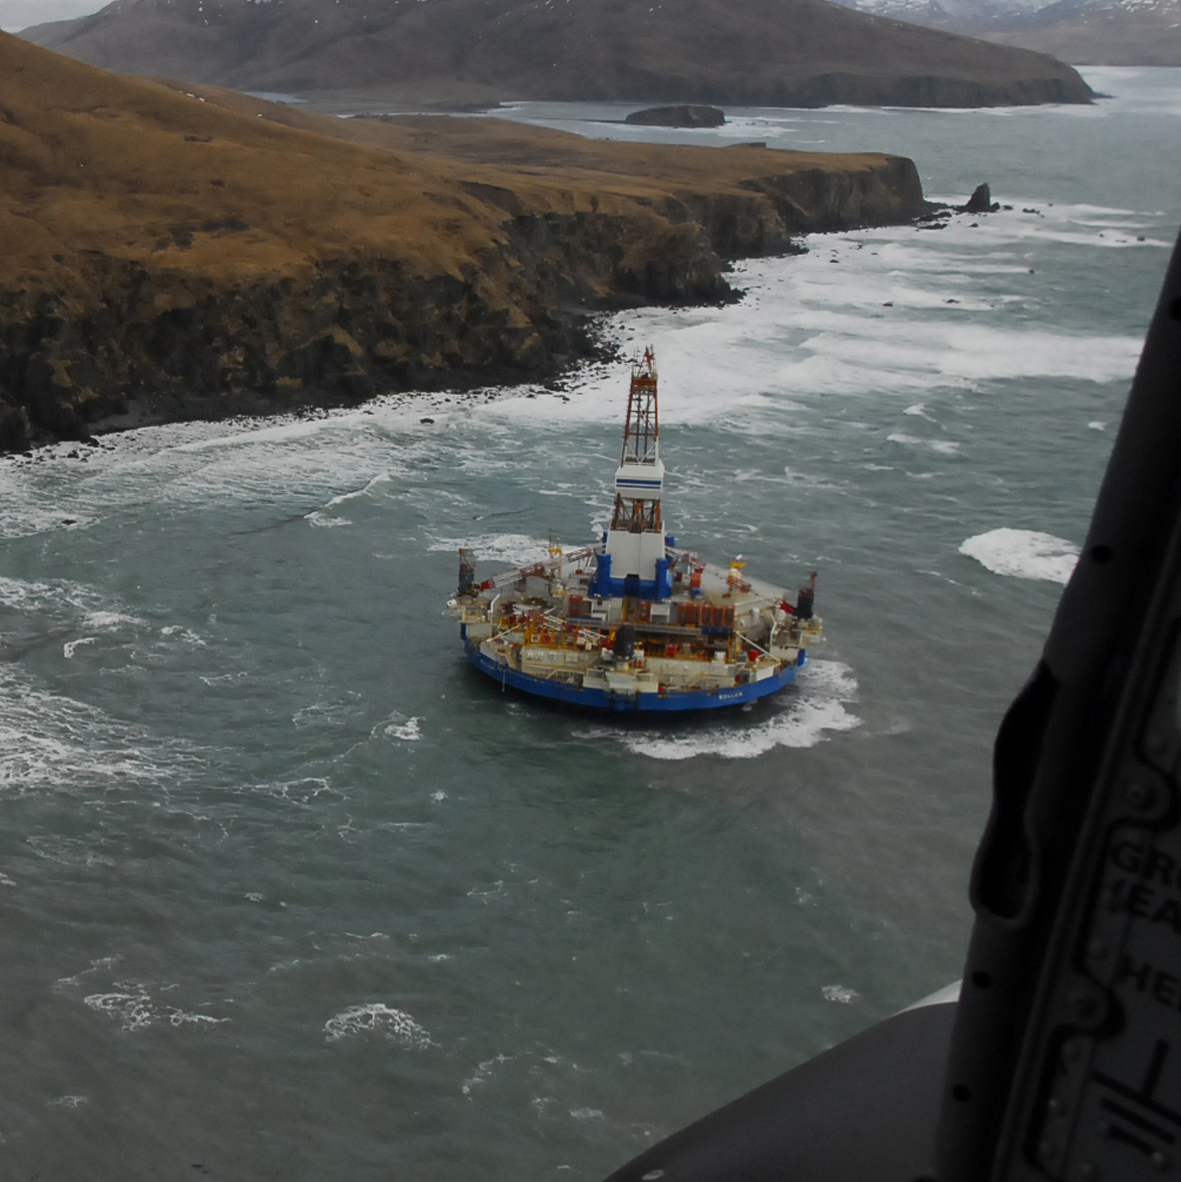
156 264
154 346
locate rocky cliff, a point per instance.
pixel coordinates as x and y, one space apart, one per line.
174 253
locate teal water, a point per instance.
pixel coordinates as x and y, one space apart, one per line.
289 891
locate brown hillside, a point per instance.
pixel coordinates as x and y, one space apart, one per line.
744 52
177 252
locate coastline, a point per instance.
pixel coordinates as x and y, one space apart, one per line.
180 274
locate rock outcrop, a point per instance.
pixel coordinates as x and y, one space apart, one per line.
981 201
157 263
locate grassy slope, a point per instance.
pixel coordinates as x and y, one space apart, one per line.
95 161
202 252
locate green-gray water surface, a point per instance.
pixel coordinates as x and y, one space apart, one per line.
289 891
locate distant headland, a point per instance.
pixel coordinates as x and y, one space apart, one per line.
386 54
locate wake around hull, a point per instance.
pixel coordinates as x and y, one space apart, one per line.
656 702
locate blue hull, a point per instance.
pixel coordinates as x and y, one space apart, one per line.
647 703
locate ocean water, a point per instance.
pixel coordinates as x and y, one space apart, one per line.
289 891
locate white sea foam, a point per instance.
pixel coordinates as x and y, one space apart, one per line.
184 634
182 1018
839 993
131 1005
279 463
108 619
511 549
64 605
250 432
51 742
20 594
892 321
943 446
1023 554
920 354
225 678
326 518
401 728
63 600
302 793
376 1018
372 486
804 716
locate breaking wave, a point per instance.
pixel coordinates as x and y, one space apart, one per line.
1023 554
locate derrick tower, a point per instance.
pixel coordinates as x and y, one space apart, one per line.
640 475
633 561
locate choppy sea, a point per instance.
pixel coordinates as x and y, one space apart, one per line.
289 891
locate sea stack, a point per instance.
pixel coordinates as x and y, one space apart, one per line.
981 201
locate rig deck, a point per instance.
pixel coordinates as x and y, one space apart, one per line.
633 623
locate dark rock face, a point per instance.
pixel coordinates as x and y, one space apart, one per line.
793 53
160 345
681 115
334 337
981 201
